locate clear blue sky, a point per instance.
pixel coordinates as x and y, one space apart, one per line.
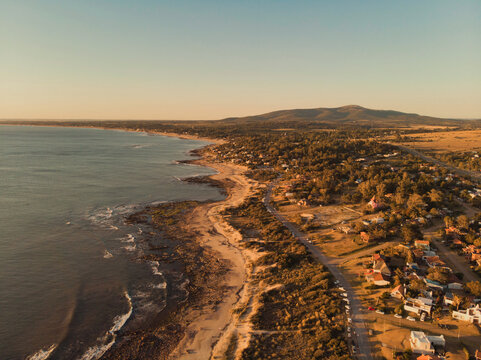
154 59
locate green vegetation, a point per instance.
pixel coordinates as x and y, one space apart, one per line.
299 317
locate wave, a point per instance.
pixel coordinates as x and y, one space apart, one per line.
162 285
96 352
130 248
42 354
129 238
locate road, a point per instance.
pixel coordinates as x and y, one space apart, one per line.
474 175
360 332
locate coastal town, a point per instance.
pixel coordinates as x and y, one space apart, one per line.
405 232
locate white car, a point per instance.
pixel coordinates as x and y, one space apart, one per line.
341 288
398 316
349 320
347 307
410 318
380 312
344 294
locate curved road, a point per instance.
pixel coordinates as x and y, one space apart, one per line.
360 334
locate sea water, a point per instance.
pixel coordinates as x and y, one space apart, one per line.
70 277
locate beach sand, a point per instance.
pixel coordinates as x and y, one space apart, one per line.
209 327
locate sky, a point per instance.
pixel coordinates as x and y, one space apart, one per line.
154 59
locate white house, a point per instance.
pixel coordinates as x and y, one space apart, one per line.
424 344
472 315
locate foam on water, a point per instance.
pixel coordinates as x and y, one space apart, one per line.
155 268
96 352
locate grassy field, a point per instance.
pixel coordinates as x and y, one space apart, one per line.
447 141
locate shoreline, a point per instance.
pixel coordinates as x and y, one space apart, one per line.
204 330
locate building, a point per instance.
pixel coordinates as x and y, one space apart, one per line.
376 278
381 267
398 292
423 244
424 344
375 203
366 237
434 261
418 306
472 315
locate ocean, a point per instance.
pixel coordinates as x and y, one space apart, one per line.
71 274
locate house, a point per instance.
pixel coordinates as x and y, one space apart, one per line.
418 253
376 278
420 343
472 315
398 292
423 244
434 284
434 261
417 306
448 299
375 204
424 344
381 267
366 237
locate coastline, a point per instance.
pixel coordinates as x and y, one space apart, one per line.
200 328
197 328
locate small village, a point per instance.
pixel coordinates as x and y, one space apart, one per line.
414 262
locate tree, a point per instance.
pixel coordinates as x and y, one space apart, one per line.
474 287
435 196
463 221
448 221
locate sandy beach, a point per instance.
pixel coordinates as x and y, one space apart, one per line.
208 334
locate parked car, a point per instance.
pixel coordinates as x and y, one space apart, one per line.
398 316
380 312
410 318
370 308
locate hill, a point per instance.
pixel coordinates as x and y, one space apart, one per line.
349 115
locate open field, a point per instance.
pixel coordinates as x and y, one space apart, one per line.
446 141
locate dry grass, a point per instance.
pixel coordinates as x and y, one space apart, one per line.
447 141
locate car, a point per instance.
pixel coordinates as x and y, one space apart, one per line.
370 308
336 282
344 294
349 320
410 318
398 316
380 312
347 307
341 288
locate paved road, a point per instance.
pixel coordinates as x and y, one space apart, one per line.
457 262
474 175
360 333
